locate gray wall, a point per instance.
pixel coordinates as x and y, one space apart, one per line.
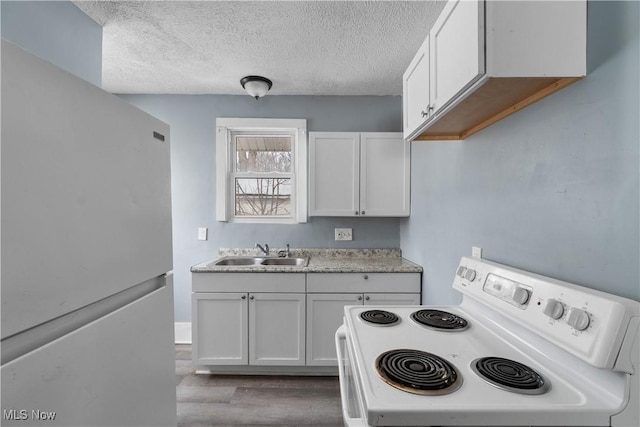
553 189
192 120
56 31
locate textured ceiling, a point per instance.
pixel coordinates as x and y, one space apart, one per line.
304 47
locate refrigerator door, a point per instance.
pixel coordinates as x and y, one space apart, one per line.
86 193
87 304
116 371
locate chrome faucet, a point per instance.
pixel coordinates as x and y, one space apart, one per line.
285 252
265 249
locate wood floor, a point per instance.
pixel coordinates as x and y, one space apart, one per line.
224 400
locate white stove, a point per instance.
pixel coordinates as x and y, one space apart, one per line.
559 355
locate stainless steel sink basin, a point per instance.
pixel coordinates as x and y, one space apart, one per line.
248 261
296 262
240 260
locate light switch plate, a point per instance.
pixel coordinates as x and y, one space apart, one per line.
344 234
202 233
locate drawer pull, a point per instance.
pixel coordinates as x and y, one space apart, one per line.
366 277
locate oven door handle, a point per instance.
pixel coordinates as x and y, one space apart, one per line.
341 337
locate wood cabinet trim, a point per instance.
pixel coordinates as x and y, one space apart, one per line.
495 99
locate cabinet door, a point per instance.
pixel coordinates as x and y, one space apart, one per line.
220 329
276 329
334 173
325 313
415 90
457 50
391 299
385 174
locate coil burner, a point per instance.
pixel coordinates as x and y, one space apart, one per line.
510 375
418 372
380 317
441 320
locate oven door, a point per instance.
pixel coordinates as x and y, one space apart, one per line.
352 408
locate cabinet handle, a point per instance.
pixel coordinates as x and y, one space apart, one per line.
360 298
357 213
367 298
425 113
366 277
243 297
362 212
252 297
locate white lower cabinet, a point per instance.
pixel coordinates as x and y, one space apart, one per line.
329 293
276 329
220 328
325 313
248 328
324 316
283 319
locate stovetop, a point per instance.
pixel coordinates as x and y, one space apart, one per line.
477 401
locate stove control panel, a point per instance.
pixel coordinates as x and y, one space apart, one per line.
586 322
507 290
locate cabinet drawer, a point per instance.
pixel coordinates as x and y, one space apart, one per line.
363 282
248 282
391 299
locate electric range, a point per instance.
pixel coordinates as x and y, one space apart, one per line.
520 350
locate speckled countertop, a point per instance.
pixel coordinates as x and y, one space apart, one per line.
320 261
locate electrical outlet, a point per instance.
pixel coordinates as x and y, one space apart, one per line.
476 252
202 233
344 234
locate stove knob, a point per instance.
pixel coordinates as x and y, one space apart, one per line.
461 271
578 319
520 295
470 275
554 309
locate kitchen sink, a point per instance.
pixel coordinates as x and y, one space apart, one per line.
248 261
296 262
240 261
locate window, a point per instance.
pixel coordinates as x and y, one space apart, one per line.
261 170
262 174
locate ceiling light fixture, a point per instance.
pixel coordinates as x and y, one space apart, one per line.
256 86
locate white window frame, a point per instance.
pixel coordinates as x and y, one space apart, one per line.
226 128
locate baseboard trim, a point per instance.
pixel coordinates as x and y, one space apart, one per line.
183 332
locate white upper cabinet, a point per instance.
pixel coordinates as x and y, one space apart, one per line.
385 166
489 59
334 173
457 42
359 174
415 90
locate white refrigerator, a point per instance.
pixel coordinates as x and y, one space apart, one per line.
86 291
